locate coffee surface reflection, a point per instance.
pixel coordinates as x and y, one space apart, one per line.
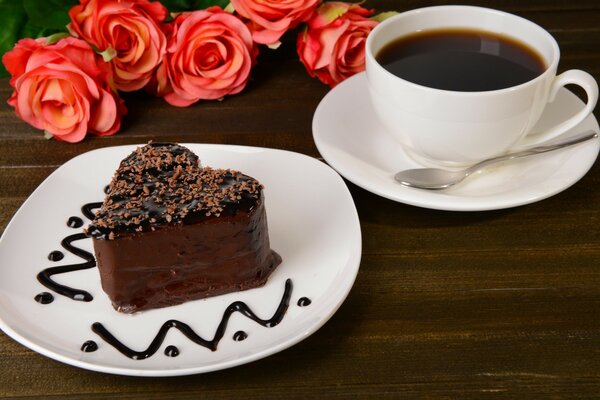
461 60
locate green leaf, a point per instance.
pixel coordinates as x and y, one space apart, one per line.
189 5
178 5
332 11
32 31
49 14
38 18
202 4
12 19
56 37
30 18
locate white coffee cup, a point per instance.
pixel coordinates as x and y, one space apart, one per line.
442 127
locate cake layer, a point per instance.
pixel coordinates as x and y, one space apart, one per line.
170 231
186 262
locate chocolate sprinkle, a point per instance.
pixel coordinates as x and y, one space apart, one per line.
163 184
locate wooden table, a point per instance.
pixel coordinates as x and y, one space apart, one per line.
446 304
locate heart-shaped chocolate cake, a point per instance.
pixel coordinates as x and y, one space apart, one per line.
170 231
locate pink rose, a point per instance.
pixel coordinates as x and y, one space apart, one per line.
332 47
210 54
62 88
270 19
127 33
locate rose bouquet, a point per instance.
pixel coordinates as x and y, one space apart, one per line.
67 81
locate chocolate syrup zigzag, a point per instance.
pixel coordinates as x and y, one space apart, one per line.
45 276
184 328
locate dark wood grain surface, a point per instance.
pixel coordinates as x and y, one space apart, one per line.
499 304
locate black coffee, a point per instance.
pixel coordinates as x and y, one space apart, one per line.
461 60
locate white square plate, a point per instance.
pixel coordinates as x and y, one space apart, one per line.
313 225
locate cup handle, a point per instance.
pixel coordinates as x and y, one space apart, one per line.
579 78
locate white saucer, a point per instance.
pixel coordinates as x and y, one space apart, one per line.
352 141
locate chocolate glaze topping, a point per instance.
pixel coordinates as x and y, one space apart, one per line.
163 184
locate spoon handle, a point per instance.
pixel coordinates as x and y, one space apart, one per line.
550 146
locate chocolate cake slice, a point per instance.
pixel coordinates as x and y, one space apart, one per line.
170 231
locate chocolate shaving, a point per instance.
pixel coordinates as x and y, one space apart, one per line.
164 184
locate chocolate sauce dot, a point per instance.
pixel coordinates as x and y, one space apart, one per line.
75 222
89 346
106 189
304 301
239 336
44 298
56 255
171 351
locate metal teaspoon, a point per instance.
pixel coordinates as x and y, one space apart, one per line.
436 179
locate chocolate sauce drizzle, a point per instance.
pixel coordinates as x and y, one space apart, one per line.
44 298
74 222
45 276
89 346
304 301
86 210
237 306
56 255
171 351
